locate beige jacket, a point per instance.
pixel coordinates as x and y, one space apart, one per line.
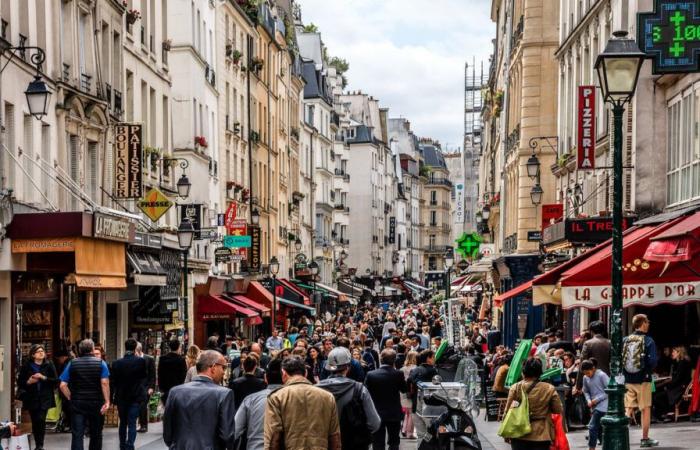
300 416
543 401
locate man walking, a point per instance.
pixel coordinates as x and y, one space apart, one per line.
200 414
300 415
130 379
352 400
385 386
172 369
85 383
425 373
150 386
638 362
251 413
274 342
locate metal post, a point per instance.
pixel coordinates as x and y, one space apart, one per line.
447 283
615 423
186 314
274 303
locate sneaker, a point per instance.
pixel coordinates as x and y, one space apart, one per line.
648 443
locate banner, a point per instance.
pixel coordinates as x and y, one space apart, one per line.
459 203
632 294
392 230
128 161
230 217
586 127
551 213
255 244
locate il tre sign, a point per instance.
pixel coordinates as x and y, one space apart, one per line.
591 231
670 36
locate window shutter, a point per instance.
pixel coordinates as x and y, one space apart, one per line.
27 159
73 166
45 161
8 164
91 169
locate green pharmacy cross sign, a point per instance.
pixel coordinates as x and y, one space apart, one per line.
468 245
670 36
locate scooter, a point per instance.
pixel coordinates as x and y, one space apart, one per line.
453 429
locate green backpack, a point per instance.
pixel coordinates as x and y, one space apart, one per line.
517 420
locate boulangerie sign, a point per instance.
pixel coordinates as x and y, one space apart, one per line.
128 161
586 127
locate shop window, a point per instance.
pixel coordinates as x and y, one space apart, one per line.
683 149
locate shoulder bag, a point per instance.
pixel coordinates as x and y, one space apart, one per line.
517 420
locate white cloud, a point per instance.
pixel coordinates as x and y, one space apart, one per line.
409 54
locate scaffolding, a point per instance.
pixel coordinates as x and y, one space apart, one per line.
475 82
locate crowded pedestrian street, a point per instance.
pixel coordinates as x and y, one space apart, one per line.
349 224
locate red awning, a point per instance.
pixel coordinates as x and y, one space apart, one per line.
499 299
646 282
247 302
681 242
295 288
214 307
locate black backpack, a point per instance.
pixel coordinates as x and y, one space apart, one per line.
354 433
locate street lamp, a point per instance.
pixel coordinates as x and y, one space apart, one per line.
183 186
449 262
536 194
37 97
255 216
274 270
297 245
533 166
313 268
486 212
618 71
185 235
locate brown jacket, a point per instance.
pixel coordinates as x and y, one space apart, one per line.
300 416
543 401
597 347
499 380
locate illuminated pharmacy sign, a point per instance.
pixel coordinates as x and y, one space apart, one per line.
671 35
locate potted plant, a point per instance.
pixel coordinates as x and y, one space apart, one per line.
254 136
201 141
256 64
167 44
245 195
236 56
132 16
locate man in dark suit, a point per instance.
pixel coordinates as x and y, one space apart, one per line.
385 386
129 378
150 385
172 369
597 347
200 414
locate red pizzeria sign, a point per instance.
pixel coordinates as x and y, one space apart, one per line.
586 127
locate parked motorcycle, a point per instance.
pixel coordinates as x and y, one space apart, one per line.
454 427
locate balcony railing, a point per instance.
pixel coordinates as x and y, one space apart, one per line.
435 249
85 82
433 202
117 102
210 75
440 182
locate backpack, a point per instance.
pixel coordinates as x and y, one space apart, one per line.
633 357
354 433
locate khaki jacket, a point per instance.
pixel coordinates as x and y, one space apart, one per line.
499 381
300 416
543 401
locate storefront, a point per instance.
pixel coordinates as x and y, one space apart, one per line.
292 303
75 265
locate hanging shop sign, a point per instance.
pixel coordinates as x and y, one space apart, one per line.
632 294
392 230
670 36
113 228
154 204
233 241
255 242
459 203
222 255
148 240
237 227
468 245
552 212
586 127
582 231
128 161
193 213
230 218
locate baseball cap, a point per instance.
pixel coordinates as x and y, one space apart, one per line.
338 358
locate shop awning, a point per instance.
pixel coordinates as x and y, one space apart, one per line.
247 302
214 307
416 287
146 269
351 288
292 304
681 242
499 299
646 282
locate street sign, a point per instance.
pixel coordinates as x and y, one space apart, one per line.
670 36
154 204
237 241
534 236
222 255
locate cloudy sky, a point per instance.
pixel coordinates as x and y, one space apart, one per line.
410 54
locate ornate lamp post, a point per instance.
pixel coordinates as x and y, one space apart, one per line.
449 262
274 270
618 71
185 234
313 268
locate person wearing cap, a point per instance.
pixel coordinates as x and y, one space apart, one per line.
343 388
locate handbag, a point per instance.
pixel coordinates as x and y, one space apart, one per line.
517 420
20 442
560 440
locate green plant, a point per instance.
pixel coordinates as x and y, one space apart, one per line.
310 28
561 161
424 171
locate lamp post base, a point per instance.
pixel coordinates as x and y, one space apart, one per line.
616 433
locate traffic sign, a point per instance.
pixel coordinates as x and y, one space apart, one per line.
237 241
154 204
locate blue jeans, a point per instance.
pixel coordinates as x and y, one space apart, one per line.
128 414
86 415
594 428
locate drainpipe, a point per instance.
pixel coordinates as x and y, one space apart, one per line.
269 149
250 143
504 135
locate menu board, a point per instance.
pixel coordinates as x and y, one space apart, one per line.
491 405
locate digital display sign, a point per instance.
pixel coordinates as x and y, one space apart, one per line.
670 36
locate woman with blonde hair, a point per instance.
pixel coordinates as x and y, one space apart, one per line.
408 366
669 392
191 361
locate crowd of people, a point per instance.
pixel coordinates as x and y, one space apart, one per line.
344 381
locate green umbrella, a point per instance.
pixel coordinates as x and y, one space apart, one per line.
516 366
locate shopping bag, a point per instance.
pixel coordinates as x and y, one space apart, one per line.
20 442
517 420
53 414
560 441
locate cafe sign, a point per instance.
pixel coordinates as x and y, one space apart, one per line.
113 228
128 161
586 127
670 36
632 294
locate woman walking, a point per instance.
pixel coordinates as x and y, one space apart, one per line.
543 402
313 360
408 366
191 361
37 380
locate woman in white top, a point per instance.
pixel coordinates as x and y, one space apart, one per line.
408 366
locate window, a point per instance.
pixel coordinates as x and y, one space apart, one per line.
683 176
46 158
8 163
73 143
28 158
92 171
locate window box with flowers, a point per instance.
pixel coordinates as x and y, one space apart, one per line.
256 65
245 195
200 143
132 16
236 56
153 155
254 136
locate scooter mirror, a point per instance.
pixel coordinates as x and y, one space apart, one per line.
437 379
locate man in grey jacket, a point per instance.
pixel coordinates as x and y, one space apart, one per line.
251 414
200 414
343 388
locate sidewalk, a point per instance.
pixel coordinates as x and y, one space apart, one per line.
153 440
683 435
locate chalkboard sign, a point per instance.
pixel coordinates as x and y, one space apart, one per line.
491 405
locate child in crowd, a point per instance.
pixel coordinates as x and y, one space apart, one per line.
594 383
